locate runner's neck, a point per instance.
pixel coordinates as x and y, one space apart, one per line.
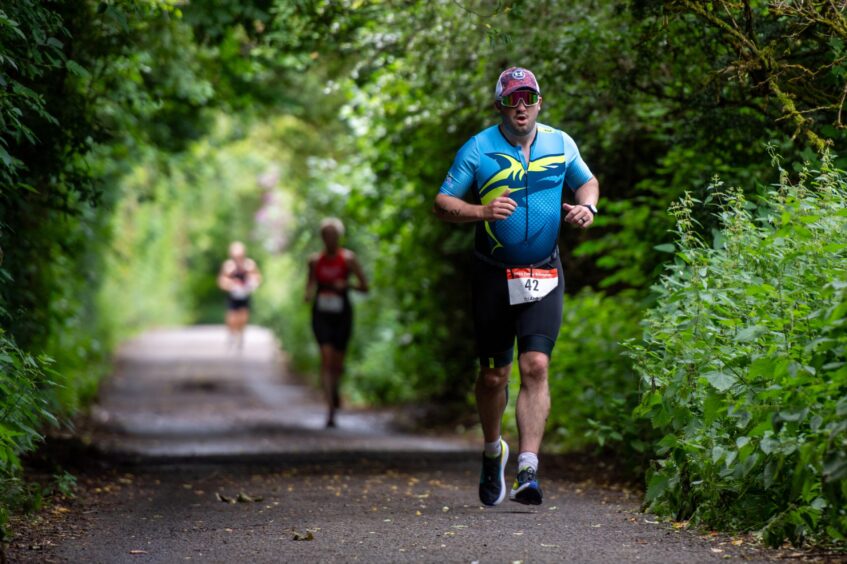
524 142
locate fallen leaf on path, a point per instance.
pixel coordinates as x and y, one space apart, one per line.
224 498
418 513
738 542
244 498
717 550
307 536
445 509
680 525
549 545
138 552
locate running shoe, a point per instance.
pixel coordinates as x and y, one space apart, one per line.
526 489
492 484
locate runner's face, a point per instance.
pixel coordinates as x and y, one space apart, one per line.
237 252
330 238
520 120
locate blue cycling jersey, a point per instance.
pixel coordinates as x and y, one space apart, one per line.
491 164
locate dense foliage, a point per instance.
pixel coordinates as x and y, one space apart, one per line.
137 139
743 364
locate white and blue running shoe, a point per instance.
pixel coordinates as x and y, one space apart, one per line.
492 483
526 489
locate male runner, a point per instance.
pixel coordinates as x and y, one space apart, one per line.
517 170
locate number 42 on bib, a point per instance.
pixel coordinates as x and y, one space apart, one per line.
530 284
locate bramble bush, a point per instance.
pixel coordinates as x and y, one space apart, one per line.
743 366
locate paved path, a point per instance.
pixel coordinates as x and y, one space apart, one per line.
215 455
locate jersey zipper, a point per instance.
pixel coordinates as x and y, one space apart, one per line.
526 190
525 166
526 184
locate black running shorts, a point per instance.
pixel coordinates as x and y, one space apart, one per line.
333 328
497 324
235 304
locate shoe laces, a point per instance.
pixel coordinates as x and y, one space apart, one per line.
526 475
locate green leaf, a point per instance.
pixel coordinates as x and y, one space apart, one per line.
835 467
656 488
769 445
77 69
749 334
721 380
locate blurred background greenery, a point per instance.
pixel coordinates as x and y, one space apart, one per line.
137 139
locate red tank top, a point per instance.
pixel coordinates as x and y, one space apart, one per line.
330 269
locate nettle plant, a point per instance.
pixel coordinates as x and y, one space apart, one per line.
742 364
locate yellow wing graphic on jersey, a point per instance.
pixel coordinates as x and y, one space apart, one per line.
546 163
514 171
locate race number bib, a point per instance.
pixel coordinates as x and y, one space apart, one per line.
530 284
330 303
240 292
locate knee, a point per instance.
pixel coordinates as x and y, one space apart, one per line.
494 378
534 367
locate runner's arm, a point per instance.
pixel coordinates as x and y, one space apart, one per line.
362 285
311 282
588 193
254 275
579 215
455 210
224 281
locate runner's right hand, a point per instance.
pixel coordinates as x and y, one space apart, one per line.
500 207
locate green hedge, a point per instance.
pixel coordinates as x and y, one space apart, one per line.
25 385
743 364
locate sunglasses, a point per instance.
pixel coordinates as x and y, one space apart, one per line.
512 100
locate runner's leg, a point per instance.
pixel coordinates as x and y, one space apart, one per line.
491 399
242 317
538 327
230 326
533 404
327 379
337 373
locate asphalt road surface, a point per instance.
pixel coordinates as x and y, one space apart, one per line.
205 453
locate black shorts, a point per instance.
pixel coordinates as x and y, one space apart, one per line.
497 323
333 328
234 304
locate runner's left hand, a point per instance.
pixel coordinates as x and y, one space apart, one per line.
578 215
